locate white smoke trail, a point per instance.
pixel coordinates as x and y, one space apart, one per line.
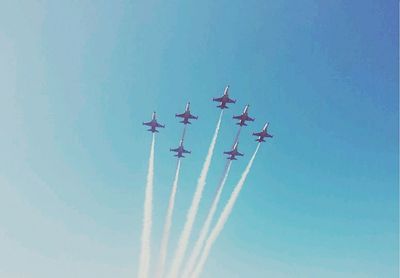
191 215
144 261
168 223
237 135
223 218
183 133
206 226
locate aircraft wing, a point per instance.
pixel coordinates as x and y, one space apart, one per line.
159 125
249 119
192 117
239 154
229 153
186 151
237 117
229 100
148 123
257 134
180 115
219 99
174 150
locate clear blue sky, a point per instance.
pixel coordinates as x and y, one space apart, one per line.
77 78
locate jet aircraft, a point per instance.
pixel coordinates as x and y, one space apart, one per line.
180 150
262 134
224 99
234 152
153 124
186 115
244 117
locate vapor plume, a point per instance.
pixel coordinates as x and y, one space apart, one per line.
144 260
168 223
223 218
206 226
191 215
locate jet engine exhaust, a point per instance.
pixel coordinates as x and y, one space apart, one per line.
192 212
144 260
223 218
168 223
206 226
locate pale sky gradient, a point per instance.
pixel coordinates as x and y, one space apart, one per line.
77 79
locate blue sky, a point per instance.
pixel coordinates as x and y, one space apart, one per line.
77 78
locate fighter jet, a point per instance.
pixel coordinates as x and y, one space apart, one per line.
153 124
186 115
180 150
234 152
262 134
244 117
224 99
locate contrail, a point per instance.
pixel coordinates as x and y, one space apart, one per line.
168 223
191 215
168 219
206 226
223 218
144 261
184 132
237 136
